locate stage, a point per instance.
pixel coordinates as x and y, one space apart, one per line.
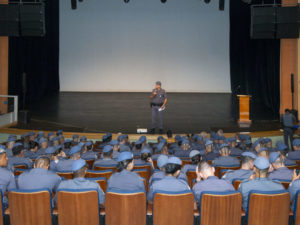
125 112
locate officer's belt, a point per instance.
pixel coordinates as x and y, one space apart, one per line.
157 104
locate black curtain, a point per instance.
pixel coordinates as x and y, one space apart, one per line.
254 64
38 58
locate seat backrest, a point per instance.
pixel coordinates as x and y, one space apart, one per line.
90 163
220 208
296 210
1 209
285 183
78 207
66 175
298 163
292 167
191 175
219 168
103 173
30 207
236 183
20 166
185 161
268 208
147 167
142 173
125 208
101 181
173 208
18 172
100 168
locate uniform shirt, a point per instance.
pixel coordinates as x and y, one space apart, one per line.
7 182
9 152
226 161
293 188
235 152
295 155
288 162
288 120
188 167
282 173
182 153
115 155
105 162
168 183
89 155
65 165
240 174
158 175
160 97
82 183
258 184
13 161
211 155
53 164
212 183
125 181
39 178
41 151
30 154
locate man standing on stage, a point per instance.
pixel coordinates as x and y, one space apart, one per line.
158 102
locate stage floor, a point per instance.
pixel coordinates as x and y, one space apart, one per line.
125 112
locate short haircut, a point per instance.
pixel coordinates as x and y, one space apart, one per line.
246 159
145 156
123 165
108 154
80 172
42 161
202 166
17 149
172 168
33 144
75 155
196 159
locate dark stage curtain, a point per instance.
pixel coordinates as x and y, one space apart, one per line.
254 64
38 58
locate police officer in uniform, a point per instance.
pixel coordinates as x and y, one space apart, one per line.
66 165
260 182
280 172
169 182
158 102
18 157
107 157
125 179
39 177
225 159
79 168
288 120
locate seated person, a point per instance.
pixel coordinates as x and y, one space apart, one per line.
55 154
234 150
88 153
225 159
137 148
43 142
125 179
295 155
31 152
268 144
195 158
280 172
209 151
184 150
18 157
169 182
246 170
259 182
209 181
9 145
107 157
145 158
160 172
7 178
116 146
66 165
161 149
284 152
264 152
39 177
294 187
78 182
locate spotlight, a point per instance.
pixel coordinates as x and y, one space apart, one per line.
163 1
73 4
126 1
207 1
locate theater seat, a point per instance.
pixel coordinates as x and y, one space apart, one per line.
220 168
30 207
101 181
20 166
147 167
90 162
108 167
78 207
296 208
191 175
171 208
66 175
236 183
268 208
142 173
220 208
1 209
102 173
125 208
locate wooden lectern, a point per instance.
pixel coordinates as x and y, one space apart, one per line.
244 110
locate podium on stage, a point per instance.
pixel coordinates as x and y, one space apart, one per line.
244 110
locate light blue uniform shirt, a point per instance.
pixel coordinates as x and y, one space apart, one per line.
293 188
226 161
82 183
89 155
65 165
158 175
105 162
212 183
188 167
240 174
258 184
282 173
7 182
39 178
168 183
9 152
125 181
19 160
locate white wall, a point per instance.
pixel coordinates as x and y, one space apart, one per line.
107 45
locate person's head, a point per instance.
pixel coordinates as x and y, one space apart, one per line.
25 138
264 152
43 143
55 141
145 154
261 167
10 142
224 150
67 144
33 146
232 142
185 144
3 157
276 160
79 168
115 145
204 170
122 139
257 144
162 161
18 150
42 162
75 152
138 145
158 85
51 135
125 161
169 134
209 146
31 136
247 160
268 142
75 138
296 144
195 157
107 151
287 111
173 166
89 145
